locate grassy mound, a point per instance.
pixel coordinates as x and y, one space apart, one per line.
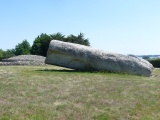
24 60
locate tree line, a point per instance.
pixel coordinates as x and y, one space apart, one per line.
41 44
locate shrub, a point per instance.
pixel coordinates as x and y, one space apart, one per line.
155 62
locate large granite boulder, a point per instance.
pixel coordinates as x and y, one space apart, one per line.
81 57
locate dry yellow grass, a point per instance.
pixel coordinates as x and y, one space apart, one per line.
55 93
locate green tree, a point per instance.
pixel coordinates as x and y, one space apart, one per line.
8 53
1 54
23 48
41 43
58 36
78 39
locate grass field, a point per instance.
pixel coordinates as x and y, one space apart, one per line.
55 93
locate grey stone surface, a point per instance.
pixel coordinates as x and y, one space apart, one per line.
24 60
81 57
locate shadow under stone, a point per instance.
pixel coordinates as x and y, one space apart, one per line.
73 71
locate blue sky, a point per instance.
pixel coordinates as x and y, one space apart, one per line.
121 26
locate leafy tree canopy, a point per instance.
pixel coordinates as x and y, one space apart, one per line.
41 43
1 54
78 39
23 48
7 54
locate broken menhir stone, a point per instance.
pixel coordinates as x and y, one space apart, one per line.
86 58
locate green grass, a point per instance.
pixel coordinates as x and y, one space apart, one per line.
55 93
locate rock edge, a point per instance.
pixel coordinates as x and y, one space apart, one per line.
82 57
